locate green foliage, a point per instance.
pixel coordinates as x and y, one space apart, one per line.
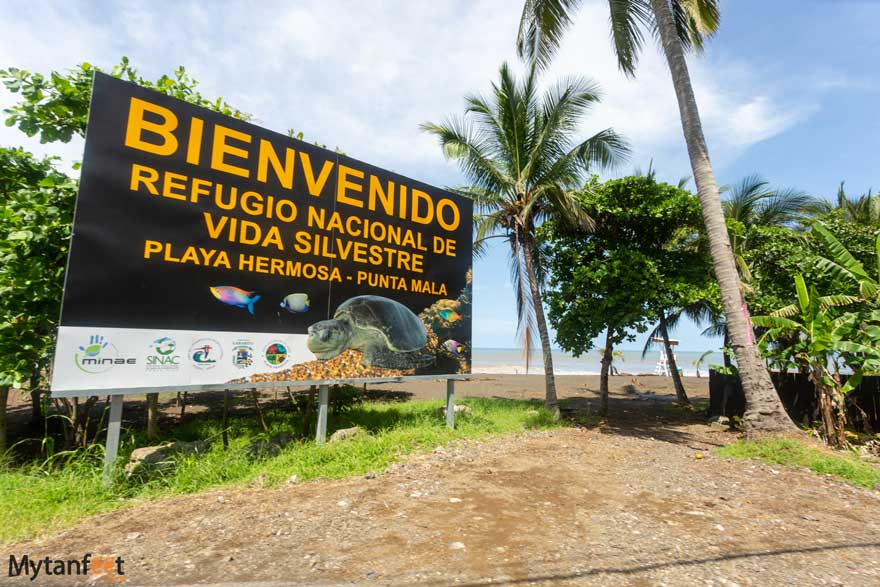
35 500
798 453
517 148
640 257
815 332
814 335
775 253
56 106
36 211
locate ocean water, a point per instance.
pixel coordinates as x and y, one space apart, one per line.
510 361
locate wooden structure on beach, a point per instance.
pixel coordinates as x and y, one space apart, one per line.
662 367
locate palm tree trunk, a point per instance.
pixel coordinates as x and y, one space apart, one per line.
607 357
680 393
764 411
550 400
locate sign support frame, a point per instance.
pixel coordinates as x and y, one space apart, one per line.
114 426
323 404
450 403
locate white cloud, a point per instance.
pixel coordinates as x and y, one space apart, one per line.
363 77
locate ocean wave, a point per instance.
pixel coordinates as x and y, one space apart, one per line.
520 370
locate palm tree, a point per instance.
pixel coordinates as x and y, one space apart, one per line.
516 148
701 360
753 202
680 25
864 209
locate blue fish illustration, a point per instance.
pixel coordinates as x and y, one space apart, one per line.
296 302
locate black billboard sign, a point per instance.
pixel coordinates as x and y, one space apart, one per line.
207 250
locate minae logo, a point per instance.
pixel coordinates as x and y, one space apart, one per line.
99 356
162 356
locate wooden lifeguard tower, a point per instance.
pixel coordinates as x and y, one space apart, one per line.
662 367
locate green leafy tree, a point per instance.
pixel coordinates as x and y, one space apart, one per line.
628 270
516 147
36 209
775 253
55 107
679 26
37 214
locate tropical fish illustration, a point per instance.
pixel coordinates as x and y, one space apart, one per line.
296 302
450 315
235 296
454 347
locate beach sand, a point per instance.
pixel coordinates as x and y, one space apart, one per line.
532 386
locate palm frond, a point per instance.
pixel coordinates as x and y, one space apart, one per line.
541 26
695 20
461 144
485 227
628 19
783 207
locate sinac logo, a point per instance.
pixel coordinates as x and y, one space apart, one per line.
162 357
164 346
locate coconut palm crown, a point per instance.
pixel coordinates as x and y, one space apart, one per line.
517 147
753 202
544 22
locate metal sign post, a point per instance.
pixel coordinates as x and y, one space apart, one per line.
113 428
450 403
323 401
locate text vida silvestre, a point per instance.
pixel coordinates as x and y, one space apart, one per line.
25 566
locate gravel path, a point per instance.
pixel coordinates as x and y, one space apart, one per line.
638 503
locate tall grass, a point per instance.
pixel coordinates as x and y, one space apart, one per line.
797 453
38 499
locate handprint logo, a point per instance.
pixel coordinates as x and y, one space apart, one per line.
95 346
97 356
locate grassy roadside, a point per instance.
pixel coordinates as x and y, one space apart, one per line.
796 453
36 501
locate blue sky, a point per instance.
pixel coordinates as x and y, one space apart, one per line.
788 89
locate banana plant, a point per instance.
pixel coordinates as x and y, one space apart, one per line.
823 336
846 268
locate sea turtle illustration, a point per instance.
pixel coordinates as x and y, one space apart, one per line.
387 333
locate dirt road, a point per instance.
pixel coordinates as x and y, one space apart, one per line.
641 502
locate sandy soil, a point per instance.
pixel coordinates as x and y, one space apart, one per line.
639 502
